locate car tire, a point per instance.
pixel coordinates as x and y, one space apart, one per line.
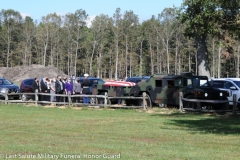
161 105
101 100
24 97
189 104
92 100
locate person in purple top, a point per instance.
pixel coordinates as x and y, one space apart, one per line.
68 87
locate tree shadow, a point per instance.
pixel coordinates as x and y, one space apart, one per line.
204 123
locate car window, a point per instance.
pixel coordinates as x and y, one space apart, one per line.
189 82
28 82
203 82
100 81
218 84
237 83
5 81
227 85
178 82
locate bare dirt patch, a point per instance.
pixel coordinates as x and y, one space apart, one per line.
17 74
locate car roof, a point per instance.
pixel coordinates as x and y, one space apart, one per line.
223 79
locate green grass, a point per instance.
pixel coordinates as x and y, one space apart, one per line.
160 134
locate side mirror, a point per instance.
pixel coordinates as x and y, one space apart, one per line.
233 88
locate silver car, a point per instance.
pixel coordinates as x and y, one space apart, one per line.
230 84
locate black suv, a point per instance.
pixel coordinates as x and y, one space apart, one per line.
8 86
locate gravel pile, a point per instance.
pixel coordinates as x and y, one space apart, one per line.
17 74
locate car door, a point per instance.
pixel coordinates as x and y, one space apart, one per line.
232 89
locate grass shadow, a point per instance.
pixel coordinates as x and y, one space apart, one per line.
204 123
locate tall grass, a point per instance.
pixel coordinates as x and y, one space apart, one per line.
122 133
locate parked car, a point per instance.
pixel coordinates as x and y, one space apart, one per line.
7 86
137 79
26 87
230 84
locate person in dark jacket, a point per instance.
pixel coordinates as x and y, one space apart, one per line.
43 89
59 88
35 86
86 88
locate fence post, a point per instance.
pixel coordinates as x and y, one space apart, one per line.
36 96
234 104
96 100
105 98
6 97
69 98
180 101
144 100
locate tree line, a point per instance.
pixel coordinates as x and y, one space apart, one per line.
201 36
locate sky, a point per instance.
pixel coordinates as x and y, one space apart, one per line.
38 8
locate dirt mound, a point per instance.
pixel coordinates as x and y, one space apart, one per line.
17 74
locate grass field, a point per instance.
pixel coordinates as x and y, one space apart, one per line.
30 132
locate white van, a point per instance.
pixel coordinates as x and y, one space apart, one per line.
230 84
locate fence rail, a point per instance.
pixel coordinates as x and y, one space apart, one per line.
181 107
69 102
69 98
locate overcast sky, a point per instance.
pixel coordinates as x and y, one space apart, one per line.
38 8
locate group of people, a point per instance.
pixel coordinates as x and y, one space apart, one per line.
61 86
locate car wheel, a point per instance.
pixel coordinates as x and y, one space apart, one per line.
130 102
161 105
92 100
190 104
24 97
101 100
221 106
225 106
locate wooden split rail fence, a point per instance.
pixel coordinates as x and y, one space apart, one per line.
69 98
6 100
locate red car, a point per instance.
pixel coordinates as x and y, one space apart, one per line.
26 87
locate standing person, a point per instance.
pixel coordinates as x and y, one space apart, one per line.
43 89
64 81
77 90
59 87
73 79
48 82
53 90
35 86
86 88
68 87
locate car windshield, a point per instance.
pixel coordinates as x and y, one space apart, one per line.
237 83
96 81
92 80
4 82
196 82
200 82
